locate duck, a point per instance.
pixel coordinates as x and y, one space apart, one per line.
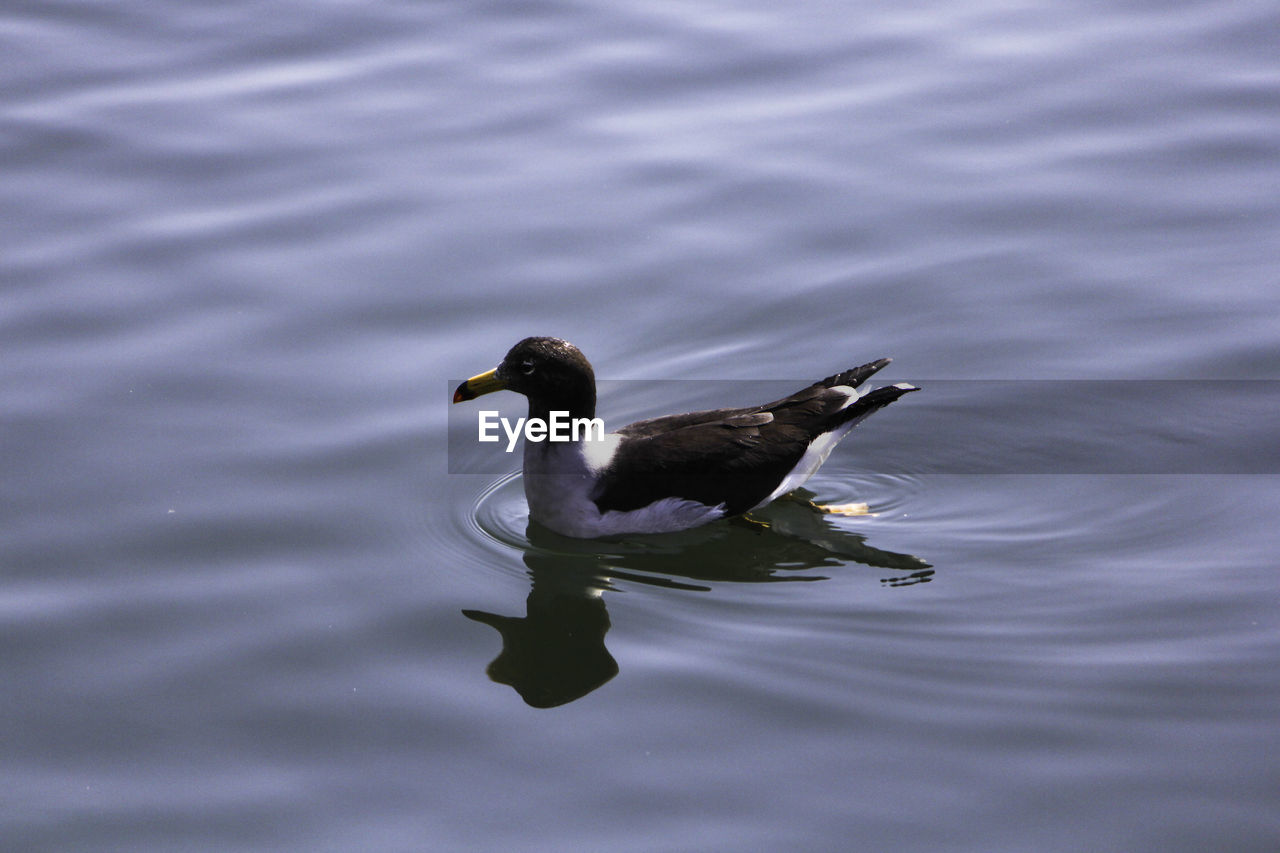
674 472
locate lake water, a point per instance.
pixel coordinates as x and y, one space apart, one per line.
257 591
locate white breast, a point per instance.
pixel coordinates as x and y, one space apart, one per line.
559 478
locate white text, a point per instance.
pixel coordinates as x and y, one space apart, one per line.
558 427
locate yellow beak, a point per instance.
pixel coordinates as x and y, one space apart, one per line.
484 383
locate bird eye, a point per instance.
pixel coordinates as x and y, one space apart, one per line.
526 366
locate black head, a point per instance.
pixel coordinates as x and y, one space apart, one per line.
552 373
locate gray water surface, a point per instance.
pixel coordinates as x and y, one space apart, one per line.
249 600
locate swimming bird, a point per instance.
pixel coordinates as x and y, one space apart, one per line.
673 472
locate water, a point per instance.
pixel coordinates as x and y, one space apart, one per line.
244 604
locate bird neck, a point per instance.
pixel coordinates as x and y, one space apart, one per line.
578 406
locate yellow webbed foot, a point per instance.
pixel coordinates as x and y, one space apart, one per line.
845 509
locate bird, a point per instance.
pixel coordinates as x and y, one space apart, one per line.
674 472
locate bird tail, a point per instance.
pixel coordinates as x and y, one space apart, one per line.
855 376
873 401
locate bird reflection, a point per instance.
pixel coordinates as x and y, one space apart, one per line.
555 653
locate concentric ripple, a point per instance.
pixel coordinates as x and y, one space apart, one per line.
786 540
501 514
